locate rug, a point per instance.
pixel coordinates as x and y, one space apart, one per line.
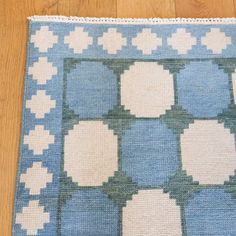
128 128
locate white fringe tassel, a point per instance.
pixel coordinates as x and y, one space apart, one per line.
137 21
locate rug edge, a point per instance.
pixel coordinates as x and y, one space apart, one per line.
109 20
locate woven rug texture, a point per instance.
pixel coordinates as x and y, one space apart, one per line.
128 128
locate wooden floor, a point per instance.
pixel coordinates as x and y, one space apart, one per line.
13 36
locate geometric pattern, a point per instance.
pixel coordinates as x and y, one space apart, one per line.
33 212
36 178
120 188
93 136
42 70
182 41
78 40
143 74
128 129
38 139
150 203
40 104
112 46
215 40
146 41
211 140
172 127
44 39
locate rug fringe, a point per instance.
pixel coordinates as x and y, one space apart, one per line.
94 20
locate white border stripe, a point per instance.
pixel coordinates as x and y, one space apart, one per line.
138 21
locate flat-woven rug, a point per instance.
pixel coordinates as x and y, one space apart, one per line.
128 128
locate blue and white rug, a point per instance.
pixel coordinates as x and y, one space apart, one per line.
128 128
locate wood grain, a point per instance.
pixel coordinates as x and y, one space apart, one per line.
13 42
203 8
145 9
13 38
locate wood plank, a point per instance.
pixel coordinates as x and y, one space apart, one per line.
235 7
203 8
13 44
145 9
93 8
